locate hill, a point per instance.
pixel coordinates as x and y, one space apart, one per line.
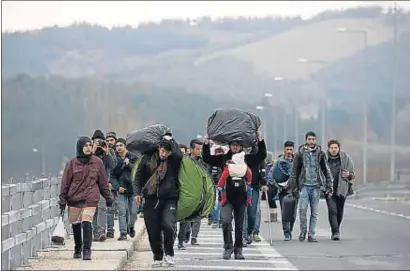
228 56
53 111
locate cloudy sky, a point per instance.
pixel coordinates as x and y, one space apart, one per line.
24 15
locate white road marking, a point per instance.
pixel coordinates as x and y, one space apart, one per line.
266 249
260 252
221 267
276 261
261 255
376 210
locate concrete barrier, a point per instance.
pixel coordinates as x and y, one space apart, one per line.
29 214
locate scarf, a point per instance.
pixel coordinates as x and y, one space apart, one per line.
80 154
158 174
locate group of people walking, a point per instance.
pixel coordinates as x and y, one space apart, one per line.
91 182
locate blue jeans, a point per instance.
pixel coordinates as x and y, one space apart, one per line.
111 213
216 213
252 212
309 196
127 212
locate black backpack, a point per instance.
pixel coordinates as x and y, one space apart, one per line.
236 189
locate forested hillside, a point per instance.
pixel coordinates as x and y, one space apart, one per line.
53 111
61 82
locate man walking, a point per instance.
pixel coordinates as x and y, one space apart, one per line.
342 168
310 174
122 183
101 150
157 181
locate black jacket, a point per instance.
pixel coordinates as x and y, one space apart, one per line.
121 173
252 160
168 188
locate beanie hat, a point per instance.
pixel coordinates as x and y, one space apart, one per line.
98 134
111 134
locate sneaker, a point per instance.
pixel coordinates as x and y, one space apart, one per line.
194 242
86 255
122 238
256 238
99 237
169 260
312 239
181 246
227 254
77 255
336 236
209 222
214 225
238 254
132 232
110 235
249 239
244 242
302 236
288 237
156 264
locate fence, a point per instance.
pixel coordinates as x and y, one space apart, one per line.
29 213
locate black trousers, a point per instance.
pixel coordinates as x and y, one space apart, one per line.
335 207
230 212
287 226
273 190
160 221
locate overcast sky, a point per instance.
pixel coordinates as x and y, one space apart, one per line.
24 15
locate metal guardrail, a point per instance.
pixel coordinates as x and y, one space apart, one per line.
29 214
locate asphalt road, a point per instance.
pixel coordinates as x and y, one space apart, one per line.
374 236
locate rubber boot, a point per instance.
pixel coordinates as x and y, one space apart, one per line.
78 240
87 240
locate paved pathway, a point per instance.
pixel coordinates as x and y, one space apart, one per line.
208 255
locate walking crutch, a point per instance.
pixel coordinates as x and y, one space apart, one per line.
269 221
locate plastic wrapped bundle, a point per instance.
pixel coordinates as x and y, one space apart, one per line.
281 171
233 125
146 139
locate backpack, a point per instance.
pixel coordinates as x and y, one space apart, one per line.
236 187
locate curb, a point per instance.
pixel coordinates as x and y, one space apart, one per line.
130 251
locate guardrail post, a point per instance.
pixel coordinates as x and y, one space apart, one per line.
29 215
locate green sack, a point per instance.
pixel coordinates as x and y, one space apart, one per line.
196 191
134 169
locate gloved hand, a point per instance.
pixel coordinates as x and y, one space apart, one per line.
62 206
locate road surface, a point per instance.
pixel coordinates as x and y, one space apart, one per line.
375 235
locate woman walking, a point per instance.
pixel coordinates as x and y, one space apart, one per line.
83 179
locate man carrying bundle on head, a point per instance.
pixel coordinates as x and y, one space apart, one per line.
157 182
240 130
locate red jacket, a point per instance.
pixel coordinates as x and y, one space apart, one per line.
224 178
